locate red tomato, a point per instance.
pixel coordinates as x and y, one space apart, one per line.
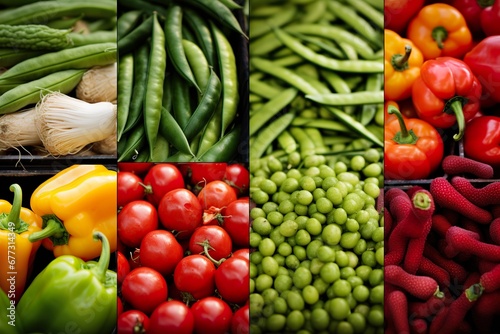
236 221
238 177
201 173
123 267
132 321
211 316
232 279
244 253
134 259
180 211
138 168
144 289
129 188
211 239
135 220
119 306
217 194
161 179
171 317
161 251
195 274
240 323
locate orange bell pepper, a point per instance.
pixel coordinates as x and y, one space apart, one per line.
17 253
440 30
73 204
402 62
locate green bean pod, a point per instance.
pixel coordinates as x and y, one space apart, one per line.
133 144
81 57
229 78
198 63
170 129
206 107
42 12
173 32
211 133
141 65
127 22
225 149
30 92
92 38
269 134
354 98
201 30
161 149
135 37
181 100
10 57
154 86
124 86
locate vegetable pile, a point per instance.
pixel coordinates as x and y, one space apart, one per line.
58 81
72 215
183 257
316 117
441 202
182 69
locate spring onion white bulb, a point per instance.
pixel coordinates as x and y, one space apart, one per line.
98 84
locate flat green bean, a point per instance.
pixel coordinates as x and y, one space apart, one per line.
269 134
372 14
261 27
320 124
355 98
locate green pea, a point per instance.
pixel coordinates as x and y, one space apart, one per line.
267 247
312 248
302 277
300 252
351 225
307 183
276 323
280 196
257 213
274 164
377 294
368 258
326 171
357 321
260 197
269 295
269 207
263 281
280 259
349 239
295 320
315 266
339 309
360 247
325 254
268 186
289 185
345 327
347 272
301 209
334 194
261 226
320 319
376 316
357 163
280 306
330 272
288 228
371 189
302 238
270 266
329 182
256 180
324 205
310 294
294 159
362 216
255 239
295 301
340 167
320 217
267 311
341 258
378 234
284 249
320 284
256 257
304 197
278 178
318 193
290 216
331 234
376 277
372 170
286 206
292 262
283 283
354 280
256 303
313 226
361 293
341 288
276 236
348 177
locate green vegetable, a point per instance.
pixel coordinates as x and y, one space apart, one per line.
71 293
34 37
8 324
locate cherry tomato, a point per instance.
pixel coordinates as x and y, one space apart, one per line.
211 316
161 251
195 274
238 177
119 306
171 317
134 259
138 168
240 323
212 239
202 173
244 253
135 220
161 179
180 211
129 188
216 194
144 289
232 279
236 221
132 321
123 267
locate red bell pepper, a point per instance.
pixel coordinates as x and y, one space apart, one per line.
398 13
478 15
413 148
484 61
482 140
447 93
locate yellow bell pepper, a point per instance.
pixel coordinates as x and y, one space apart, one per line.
17 253
74 204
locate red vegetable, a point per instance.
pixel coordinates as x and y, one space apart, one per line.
490 281
429 268
418 326
473 10
460 240
440 224
495 231
455 165
446 94
489 19
487 195
422 287
482 139
447 196
485 310
398 13
457 272
398 309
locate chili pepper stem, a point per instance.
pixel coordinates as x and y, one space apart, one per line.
422 201
474 292
404 136
103 263
15 211
456 107
399 61
53 228
439 34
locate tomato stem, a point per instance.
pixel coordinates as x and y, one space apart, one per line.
206 248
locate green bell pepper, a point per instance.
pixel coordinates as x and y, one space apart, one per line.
8 318
72 296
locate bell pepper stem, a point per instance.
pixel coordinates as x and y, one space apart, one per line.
404 136
439 34
53 228
103 263
456 107
15 211
485 3
399 61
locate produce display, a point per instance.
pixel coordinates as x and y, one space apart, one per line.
57 78
183 254
182 79
316 127
441 197
57 240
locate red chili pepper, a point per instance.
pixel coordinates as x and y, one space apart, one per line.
421 287
485 310
455 164
490 281
460 240
413 148
482 140
398 310
440 224
457 272
495 231
484 62
447 196
484 196
429 268
447 93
